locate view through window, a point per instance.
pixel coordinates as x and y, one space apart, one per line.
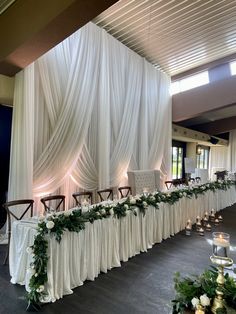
203 158
178 154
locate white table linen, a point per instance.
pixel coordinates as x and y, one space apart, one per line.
105 243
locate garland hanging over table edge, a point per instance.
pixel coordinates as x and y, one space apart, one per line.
75 220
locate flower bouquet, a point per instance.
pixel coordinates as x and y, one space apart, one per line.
198 292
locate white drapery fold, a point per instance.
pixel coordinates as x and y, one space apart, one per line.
219 160
232 150
84 113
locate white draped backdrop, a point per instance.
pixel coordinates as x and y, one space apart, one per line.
223 157
85 113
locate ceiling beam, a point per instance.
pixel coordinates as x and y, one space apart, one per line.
218 126
29 28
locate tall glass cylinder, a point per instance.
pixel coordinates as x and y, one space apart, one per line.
221 244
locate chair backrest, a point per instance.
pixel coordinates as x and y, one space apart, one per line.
125 191
59 201
105 194
198 179
176 182
168 184
86 194
191 180
26 203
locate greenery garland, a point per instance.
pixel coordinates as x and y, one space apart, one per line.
75 220
190 288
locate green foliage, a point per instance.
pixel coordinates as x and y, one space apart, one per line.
76 222
194 286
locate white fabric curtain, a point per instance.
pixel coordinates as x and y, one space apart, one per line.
218 160
84 113
232 150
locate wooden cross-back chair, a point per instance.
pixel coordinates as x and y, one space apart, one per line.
168 184
47 200
192 180
27 205
125 191
198 179
86 194
105 194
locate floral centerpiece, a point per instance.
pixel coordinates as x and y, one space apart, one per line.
199 290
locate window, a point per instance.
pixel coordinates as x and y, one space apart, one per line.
178 154
233 67
203 157
190 82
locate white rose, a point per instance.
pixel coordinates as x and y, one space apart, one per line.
133 201
126 206
195 302
29 250
40 288
185 194
180 194
152 198
36 275
50 224
111 211
98 214
145 204
103 211
67 213
205 301
135 211
31 271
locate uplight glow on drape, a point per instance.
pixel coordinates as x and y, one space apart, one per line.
84 113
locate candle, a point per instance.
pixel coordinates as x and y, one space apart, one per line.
216 222
221 244
188 229
208 227
198 218
220 218
199 309
205 220
198 226
201 231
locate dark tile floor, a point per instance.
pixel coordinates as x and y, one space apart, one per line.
144 284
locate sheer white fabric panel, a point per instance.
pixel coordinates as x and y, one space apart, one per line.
219 160
85 113
232 150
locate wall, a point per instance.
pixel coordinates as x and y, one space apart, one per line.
6 89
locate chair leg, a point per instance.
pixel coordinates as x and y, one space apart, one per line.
7 255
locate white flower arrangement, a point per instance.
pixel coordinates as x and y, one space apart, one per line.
145 204
152 198
103 211
31 271
195 302
40 288
111 211
67 213
29 250
126 206
184 194
50 224
203 301
132 201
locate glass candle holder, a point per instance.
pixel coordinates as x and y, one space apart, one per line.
205 221
221 244
198 225
188 229
216 222
201 232
208 227
220 218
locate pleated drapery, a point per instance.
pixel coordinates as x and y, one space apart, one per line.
85 113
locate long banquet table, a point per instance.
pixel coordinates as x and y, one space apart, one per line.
103 244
